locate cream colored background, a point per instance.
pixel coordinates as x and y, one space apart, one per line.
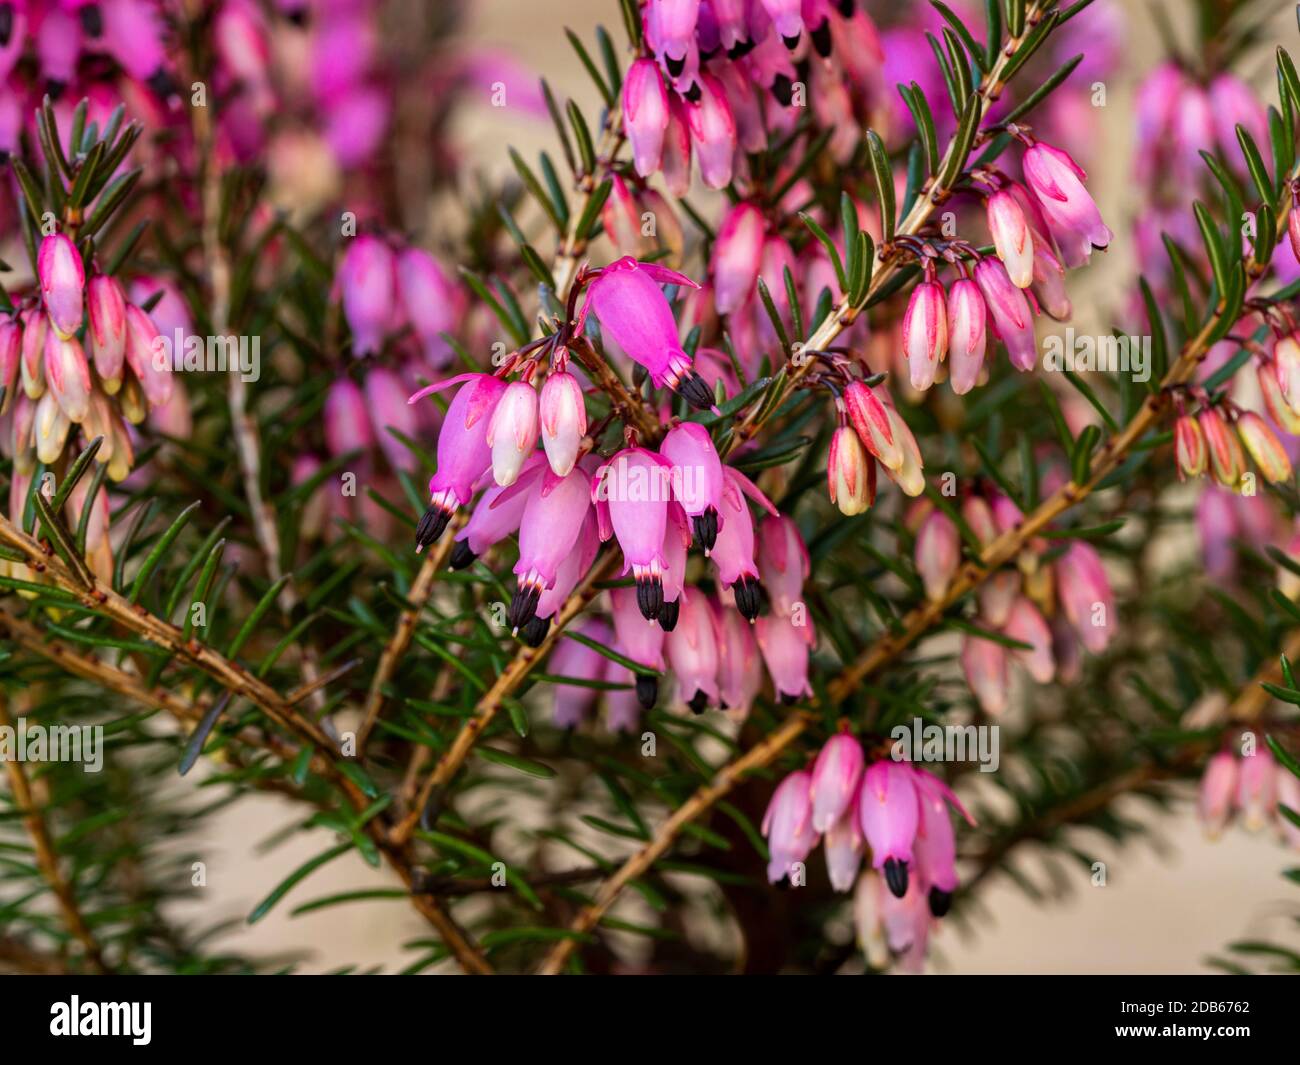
1161 911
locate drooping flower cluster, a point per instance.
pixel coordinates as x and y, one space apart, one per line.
892 811
1252 786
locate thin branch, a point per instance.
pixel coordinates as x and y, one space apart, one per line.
47 859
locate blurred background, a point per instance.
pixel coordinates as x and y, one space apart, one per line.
1168 903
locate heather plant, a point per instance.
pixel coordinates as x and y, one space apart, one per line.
528 540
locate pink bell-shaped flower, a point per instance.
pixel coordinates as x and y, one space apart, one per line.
367 281
835 778
889 811
551 524
63 283
787 825
786 648
639 640
563 417
697 477
693 652
645 114
783 563
733 551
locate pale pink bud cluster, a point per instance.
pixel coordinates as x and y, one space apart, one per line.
1247 782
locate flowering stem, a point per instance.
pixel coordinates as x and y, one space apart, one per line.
46 857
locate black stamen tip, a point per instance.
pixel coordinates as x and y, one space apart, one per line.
940 901
92 21
54 88
675 66
896 877
694 93
693 389
462 555
821 39
6 23
298 16
432 523
783 90
699 702
163 84
706 528
740 49
534 631
668 615
749 597
845 8
647 691
523 606
650 597
792 42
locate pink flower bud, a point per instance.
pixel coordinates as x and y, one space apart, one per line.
938 554
967 335
1274 402
50 429
739 676
1233 103
1011 237
1189 446
147 357
35 326
985 666
68 375
1027 625
11 353
979 516
347 425
1286 360
998 595
850 473
367 280
1056 181
935 847
1288 795
844 851
783 562
1264 447
63 283
634 312
1049 283
713 132
1085 595
1257 788
1218 789
835 778
645 114
787 825
737 255
463 452
910 476
1227 462
1010 311
431 301
785 648
640 640
563 420
512 432
676 160
787 18
107 333
693 652
889 812
925 333
875 428
386 398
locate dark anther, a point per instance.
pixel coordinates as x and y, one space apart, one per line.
534 631
699 703
54 88
693 389
432 522
668 614
896 877
639 374
749 596
706 528
92 21
647 691
675 66
783 90
650 597
845 8
821 39
462 555
740 49
523 605
694 93
792 42
6 23
163 84
940 901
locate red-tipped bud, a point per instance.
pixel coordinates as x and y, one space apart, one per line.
512 433
1011 237
985 665
938 553
68 375
107 333
63 283
851 473
925 333
1227 462
874 426
967 335
645 114
1264 447
1189 447
563 420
